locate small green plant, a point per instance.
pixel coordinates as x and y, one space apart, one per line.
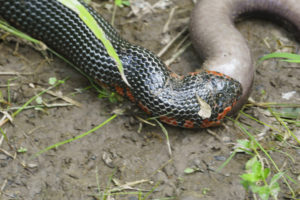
22 150
256 179
112 96
121 3
190 170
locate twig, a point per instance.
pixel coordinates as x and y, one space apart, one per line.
171 42
1 139
43 106
15 73
8 85
3 186
177 54
7 153
65 98
166 26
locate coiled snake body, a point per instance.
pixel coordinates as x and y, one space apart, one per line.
195 100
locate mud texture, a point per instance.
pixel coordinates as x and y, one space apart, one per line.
118 150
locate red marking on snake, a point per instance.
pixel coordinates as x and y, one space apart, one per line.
144 108
119 90
188 124
130 95
174 75
215 73
193 73
207 123
233 104
101 84
168 120
224 113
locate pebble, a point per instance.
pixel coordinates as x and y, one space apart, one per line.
226 139
220 158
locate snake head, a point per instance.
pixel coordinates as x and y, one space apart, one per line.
216 95
199 99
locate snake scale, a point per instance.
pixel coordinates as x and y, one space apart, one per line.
199 99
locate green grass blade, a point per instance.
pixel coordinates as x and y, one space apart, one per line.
12 30
288 56
292 61
75 138
88 19
284 125
36 96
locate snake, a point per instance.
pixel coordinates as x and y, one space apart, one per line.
196 100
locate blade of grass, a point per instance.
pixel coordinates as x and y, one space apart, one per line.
24 106
273 104
75 138
291 61
36 96
284 125
288 56
226 161
151 191
8 90
12 30
164 130
273 128
88 19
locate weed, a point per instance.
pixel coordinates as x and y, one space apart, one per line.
256 179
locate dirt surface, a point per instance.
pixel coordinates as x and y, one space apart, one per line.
118 150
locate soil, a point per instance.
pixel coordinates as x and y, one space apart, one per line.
122 152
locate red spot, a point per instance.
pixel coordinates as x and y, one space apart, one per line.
119 90
188 124
218 74
193 73
233 104
168 120
206 123
101 84
224 113
129 95
215 73
144 108
174 75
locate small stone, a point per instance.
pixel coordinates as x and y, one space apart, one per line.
220 158
226 139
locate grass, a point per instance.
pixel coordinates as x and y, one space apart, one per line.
76 137
88 19
125 190
287 57
54 83
258 176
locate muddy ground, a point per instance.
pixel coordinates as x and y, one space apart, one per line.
118 150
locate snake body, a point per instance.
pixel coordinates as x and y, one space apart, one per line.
195 100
